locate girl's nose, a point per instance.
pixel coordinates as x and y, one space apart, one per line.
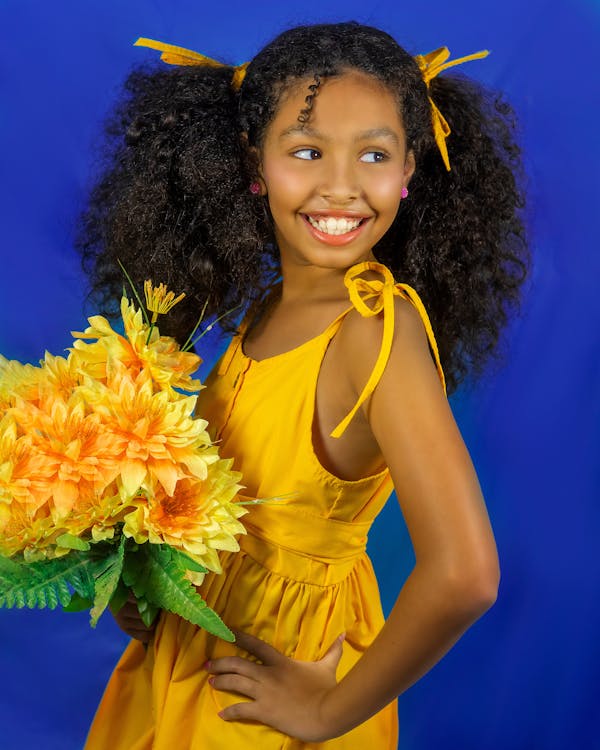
339 181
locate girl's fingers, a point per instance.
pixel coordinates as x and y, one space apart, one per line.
235 683
267 654
240 711
233 665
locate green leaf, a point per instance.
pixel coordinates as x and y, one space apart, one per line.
44 583
148 611
82 581
156 574
185 562
78 603
106 581
70 541
119 597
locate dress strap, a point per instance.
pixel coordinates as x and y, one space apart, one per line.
382 292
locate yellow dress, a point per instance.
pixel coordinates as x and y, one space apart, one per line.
302 575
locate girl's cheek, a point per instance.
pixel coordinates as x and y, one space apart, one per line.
386 186
289 181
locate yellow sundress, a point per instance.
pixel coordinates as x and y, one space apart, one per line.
302 575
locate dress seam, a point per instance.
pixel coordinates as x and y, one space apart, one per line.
282 576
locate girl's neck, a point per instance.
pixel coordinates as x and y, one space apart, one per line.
310 282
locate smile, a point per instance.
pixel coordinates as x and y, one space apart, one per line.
335 230
333 225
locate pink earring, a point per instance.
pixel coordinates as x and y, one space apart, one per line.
404 193
255 188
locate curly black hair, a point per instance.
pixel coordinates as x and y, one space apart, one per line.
173 191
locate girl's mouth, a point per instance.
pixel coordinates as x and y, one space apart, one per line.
335 230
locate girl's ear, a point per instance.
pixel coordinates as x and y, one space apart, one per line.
254 163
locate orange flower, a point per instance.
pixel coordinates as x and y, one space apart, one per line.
78 453
156 437
199 517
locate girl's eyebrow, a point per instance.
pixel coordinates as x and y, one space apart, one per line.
383 132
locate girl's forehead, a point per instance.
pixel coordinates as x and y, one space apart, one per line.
350 95
351 77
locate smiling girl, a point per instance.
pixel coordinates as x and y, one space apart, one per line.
318 186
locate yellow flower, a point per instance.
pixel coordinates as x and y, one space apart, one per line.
158 300
169 366
199 516
17 380
23 530
24 473
95 516
59 376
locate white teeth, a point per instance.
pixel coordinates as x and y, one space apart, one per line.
332 225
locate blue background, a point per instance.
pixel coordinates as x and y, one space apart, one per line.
526 675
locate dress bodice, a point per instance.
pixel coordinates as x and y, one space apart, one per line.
262 411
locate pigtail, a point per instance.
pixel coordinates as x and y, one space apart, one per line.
172 202
459 238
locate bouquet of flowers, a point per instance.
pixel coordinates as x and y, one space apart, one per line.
108 482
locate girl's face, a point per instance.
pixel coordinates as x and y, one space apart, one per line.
334 184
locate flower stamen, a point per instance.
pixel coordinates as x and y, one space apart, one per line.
158 300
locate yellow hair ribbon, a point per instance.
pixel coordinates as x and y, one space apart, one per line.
431 65
180 56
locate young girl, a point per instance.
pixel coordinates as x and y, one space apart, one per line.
302 185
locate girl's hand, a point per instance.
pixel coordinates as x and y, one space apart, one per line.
130 621
288 695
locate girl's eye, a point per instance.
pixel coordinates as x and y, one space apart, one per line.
307 153
374 157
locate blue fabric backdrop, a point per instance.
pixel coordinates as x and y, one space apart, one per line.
524 677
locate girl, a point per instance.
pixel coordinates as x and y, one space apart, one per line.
301 185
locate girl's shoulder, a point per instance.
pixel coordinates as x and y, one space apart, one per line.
400 326
385 343
387 318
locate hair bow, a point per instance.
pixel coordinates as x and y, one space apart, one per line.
431 65
181 56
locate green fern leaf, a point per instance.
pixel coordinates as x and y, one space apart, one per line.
157 575
119 597
82 581
185 562
78 603
106 581
40 584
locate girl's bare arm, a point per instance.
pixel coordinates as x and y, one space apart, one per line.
456 575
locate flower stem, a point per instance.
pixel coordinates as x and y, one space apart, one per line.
188 343
135 292
213 324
